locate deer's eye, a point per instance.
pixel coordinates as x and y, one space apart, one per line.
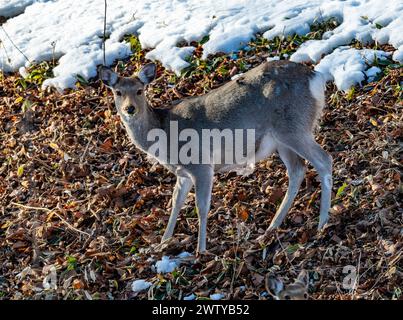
139 92
287 297
118 93
130 109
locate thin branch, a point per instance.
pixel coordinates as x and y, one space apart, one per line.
4 47
104 39
284 250
85 151
15 46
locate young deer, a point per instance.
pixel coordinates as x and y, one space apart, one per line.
279 100
294 291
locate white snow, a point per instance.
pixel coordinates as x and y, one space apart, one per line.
10 8
190 297
360 20
217 296
372 72
140 285
177 56
346 65
184 255
75 28
398 55
166 265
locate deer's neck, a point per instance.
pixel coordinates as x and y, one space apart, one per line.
140 127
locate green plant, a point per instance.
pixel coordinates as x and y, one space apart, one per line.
81 81
135 47
320 26
350 94
38 73
340 191
71 263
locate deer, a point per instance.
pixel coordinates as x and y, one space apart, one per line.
280 100
298 290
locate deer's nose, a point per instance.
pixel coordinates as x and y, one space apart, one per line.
130 109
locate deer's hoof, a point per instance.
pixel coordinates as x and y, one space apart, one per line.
262 239
322 226
202 256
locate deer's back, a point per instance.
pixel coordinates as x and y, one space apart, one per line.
275 96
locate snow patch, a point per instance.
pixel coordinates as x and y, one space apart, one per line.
166 265
184 255
177 61
217 296
365 21
23 72
71 64
190 297
372 72
346 66
140 285
11 8
398 55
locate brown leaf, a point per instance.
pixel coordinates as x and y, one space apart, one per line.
276 194
107 145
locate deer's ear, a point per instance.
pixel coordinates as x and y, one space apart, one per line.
274 285
147 73
303 277
109 77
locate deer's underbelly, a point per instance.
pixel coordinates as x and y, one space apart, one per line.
266 147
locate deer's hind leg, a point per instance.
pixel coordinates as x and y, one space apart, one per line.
296 171
306 147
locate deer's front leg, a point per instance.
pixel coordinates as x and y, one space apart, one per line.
203 180
181 190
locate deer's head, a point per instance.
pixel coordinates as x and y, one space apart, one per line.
128 93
